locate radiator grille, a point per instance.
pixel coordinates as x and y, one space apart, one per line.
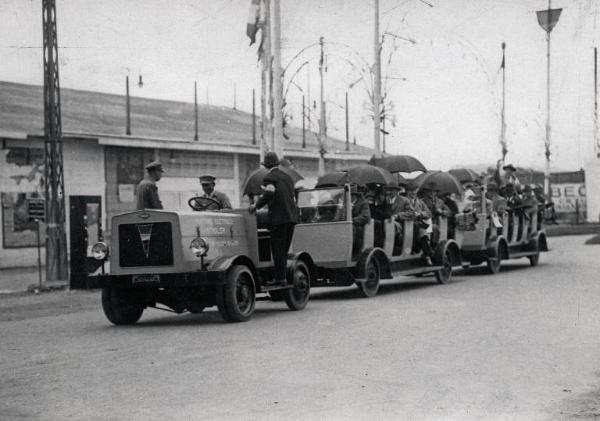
149 244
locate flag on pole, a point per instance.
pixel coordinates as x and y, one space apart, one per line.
253 21
548 18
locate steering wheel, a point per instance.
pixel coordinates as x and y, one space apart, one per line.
200 203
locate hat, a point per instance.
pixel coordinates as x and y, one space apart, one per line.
154 165
411 186
430 186
509 167
270 160
492 186
207 179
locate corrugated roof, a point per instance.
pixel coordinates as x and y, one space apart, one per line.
85 112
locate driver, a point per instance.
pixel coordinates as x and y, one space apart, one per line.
208 185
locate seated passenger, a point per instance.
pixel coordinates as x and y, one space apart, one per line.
498 202
361 216
402 211
529 202
428 194
452 209
422 221
380 211
326 211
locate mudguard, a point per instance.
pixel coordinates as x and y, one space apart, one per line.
454 252
498 243
385 270
304 257
225 263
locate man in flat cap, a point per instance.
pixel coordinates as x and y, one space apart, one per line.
147 191
279 195
208 185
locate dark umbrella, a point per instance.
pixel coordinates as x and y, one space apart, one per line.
398 163
370 174
332 179
254 182
465 175
442 181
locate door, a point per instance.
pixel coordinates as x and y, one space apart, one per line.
85 230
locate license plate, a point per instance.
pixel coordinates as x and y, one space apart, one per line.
145 279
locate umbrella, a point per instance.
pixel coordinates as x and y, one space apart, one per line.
443 181
332 179
254 182
465 175
398 163
370 174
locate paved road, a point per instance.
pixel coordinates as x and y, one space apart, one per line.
524 344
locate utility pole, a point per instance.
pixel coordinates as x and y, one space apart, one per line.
347 123
503 112
383 131
195 111
128 107
322 109
547 20
277 82
253 116
269 77
377 85
596 124
308 97
234 96
54 188
303 125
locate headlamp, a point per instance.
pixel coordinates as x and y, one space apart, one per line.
199 246
100 251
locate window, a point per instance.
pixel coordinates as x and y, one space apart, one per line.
322 205
17 230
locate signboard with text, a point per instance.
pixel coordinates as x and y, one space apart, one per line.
568 197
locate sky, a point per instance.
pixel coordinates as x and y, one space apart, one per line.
445 87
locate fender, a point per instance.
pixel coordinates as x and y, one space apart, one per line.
454 251
303 257
498 243
385 270
226 262
540 239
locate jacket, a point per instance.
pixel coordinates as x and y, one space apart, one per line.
219 197
361 212
279 196
147 195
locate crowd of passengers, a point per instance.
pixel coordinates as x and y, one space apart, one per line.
425 205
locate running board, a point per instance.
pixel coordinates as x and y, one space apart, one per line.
416 271
267 288
521 254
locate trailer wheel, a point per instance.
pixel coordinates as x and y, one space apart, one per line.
370 285
296 297
119 307
237 295
534 259
444 274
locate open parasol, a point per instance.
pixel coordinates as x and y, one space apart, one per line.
254 182
398 163
465 175
443 181
370 174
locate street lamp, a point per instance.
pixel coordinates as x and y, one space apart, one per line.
128 102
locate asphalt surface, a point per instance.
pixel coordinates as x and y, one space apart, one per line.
523 344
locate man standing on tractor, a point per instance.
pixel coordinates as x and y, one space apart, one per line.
147 191
283 214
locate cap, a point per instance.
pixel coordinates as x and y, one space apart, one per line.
509 167
271 160
207 179
154 165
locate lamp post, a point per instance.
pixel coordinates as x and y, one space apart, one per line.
547 19
128 103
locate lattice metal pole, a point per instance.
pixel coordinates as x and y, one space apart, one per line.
56 240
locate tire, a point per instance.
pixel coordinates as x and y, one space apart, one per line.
534 260
237 296
119 307
444 275
370 285
296 297
196 309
